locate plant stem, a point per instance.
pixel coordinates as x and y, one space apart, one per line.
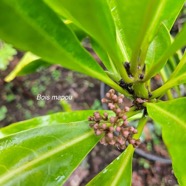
140 127
173 81
160 91
132 112
140 90
165 78
180 65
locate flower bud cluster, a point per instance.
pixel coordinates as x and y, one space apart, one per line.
115 129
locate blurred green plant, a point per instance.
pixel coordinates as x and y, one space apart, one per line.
6 54
3 112
56 74
65 106
10 97
97 105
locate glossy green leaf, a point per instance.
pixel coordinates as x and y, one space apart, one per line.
33 26
161 41
128 16
171 116
44 155
57 118
105 59
102 55
78 32
177 44
138 21
118 173
93 17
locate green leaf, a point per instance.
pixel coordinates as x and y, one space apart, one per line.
106 60
177 44
93 17
27 58
33 66
6 54
102 55
161 41
171 116
178 77
44 155
138 21
57 118
179 74
78 32
128 16
118 173
33 26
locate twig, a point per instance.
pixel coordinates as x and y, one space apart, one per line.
152 157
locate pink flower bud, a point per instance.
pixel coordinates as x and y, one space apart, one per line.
112 91
118 129
139 100
125 123
110 135
125 133
132 129
120 140
121 96
115 97
111 129
111 106
108 95
132 141
112 119
124 117
104 100
120 100
98 132
96 126
118 111
126 109
96 114
104 126
105 114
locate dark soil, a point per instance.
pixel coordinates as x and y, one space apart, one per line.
20 99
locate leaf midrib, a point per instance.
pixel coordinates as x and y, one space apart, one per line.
172 116
56 45
54 151
122 169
